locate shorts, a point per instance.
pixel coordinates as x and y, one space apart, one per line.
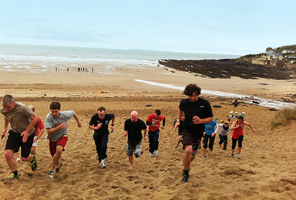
130 148
35 143
14 142
189 139
53 145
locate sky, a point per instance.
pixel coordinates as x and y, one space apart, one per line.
235 27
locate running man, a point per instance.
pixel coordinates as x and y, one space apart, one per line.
56 127
99 123
133 129
197 112
39 129
238 134
22 121
153 122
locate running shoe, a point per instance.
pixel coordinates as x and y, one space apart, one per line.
156 153
151 155
50 174
102 164
185 178
33 164
211 149
57 169
232 155
204 156
12 176
177 144
239 156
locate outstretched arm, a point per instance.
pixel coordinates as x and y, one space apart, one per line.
248 124
77 120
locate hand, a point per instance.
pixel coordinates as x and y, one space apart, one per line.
112 129
79 124
3 133
253 130
25 135
162 127
204 133
145 138
176 125
125 134
196 120
35 139
99 126
213 134
63 125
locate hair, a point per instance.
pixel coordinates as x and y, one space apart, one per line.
240 117
7 99
192 88
101 109
158 112
55 105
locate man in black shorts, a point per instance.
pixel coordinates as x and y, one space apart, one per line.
133 129
22 121
197 112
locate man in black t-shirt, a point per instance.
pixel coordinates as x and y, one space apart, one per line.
99 123
197 112
133 129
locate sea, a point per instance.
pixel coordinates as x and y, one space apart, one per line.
17 52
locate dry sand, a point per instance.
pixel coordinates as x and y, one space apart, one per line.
266 170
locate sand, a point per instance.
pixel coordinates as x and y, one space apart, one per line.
265 171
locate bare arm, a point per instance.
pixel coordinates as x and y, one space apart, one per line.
25 134
125 134
180 114
145 131
59 127
248 124
6 122
112 123
77 120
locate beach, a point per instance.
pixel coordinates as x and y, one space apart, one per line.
265 171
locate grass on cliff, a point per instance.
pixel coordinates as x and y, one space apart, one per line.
283 117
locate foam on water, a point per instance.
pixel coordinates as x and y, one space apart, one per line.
270 103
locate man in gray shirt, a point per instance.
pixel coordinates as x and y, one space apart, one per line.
22 121
56 126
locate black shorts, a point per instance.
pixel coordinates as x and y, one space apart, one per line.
189 139
14 142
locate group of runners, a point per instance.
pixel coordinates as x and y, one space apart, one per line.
195 121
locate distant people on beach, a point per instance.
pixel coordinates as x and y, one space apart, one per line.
238 134
153 122
133 128
99 123
56 127
197 112
223 134
209 136
39 129
22 121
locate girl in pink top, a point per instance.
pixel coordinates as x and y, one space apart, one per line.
238 134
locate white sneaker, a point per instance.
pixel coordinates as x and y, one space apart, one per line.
151 155
239 156
156 153
102 164
50 174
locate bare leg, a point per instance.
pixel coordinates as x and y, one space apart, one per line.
10 159
131 159
205 151
57 156
239 149
33 151
232 151
28 159
187 157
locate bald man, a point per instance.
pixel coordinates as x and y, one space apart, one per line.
133 129
39 129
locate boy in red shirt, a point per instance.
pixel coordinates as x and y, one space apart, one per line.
153 123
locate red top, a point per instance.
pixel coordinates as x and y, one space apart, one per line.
155 122
38 126
238 131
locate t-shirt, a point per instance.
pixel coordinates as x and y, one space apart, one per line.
134 131
52 122
95 120
151 118
201 108
38 126
210 127
223 130
19 118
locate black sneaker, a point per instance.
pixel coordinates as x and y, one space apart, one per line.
57 169
211 149
50 174
177 145
185 178
33 164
